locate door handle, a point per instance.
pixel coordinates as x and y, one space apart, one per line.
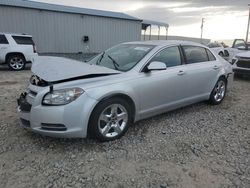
181 72
215 67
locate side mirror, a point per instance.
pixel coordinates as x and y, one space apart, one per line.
156 65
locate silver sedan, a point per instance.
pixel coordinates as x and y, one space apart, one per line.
124 84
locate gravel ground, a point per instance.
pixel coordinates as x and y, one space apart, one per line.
196 146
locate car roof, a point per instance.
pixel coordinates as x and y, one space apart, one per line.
16 34
167 43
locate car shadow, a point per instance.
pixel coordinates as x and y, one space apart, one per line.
6 68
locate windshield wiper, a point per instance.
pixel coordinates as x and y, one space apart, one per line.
116 65
100 59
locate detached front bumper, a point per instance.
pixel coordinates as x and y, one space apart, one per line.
67 121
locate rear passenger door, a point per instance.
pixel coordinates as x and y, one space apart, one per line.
202 70
25 44
3 47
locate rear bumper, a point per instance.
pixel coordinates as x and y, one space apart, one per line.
29 57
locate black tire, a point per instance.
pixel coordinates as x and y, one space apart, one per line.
94 124
20 62
212 100
226 53
221 54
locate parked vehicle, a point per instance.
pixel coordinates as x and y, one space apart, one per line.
16 50
241 63
217 48
120 86
239 46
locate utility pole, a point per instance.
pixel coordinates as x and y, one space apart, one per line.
202 24
248 24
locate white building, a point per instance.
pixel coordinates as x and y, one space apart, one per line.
62 29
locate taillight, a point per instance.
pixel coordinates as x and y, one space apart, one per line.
34 48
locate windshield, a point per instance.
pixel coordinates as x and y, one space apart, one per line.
122 57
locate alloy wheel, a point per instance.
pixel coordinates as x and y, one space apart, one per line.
219 91
16 63
113 120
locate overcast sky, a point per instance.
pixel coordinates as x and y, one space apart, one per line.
224 19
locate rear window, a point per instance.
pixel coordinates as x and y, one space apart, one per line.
23 40
195 54
210 56
3 40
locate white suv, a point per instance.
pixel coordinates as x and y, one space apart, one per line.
217 48
16 50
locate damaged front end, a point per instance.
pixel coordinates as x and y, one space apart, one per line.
37 81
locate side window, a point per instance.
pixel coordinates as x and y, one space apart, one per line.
170 56
210 55
23 40
195 54
3 40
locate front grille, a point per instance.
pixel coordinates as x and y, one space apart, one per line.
53 127
243 64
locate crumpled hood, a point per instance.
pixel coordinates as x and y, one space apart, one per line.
53 69
244 55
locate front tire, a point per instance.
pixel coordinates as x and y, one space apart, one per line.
219 92
110 119
16 62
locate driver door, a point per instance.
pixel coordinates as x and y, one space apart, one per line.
163 90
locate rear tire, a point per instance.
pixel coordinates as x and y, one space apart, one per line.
219 92
110 119
226 53
16 62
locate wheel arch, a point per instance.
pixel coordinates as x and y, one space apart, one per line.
223 77
123 96
116 95
14 53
